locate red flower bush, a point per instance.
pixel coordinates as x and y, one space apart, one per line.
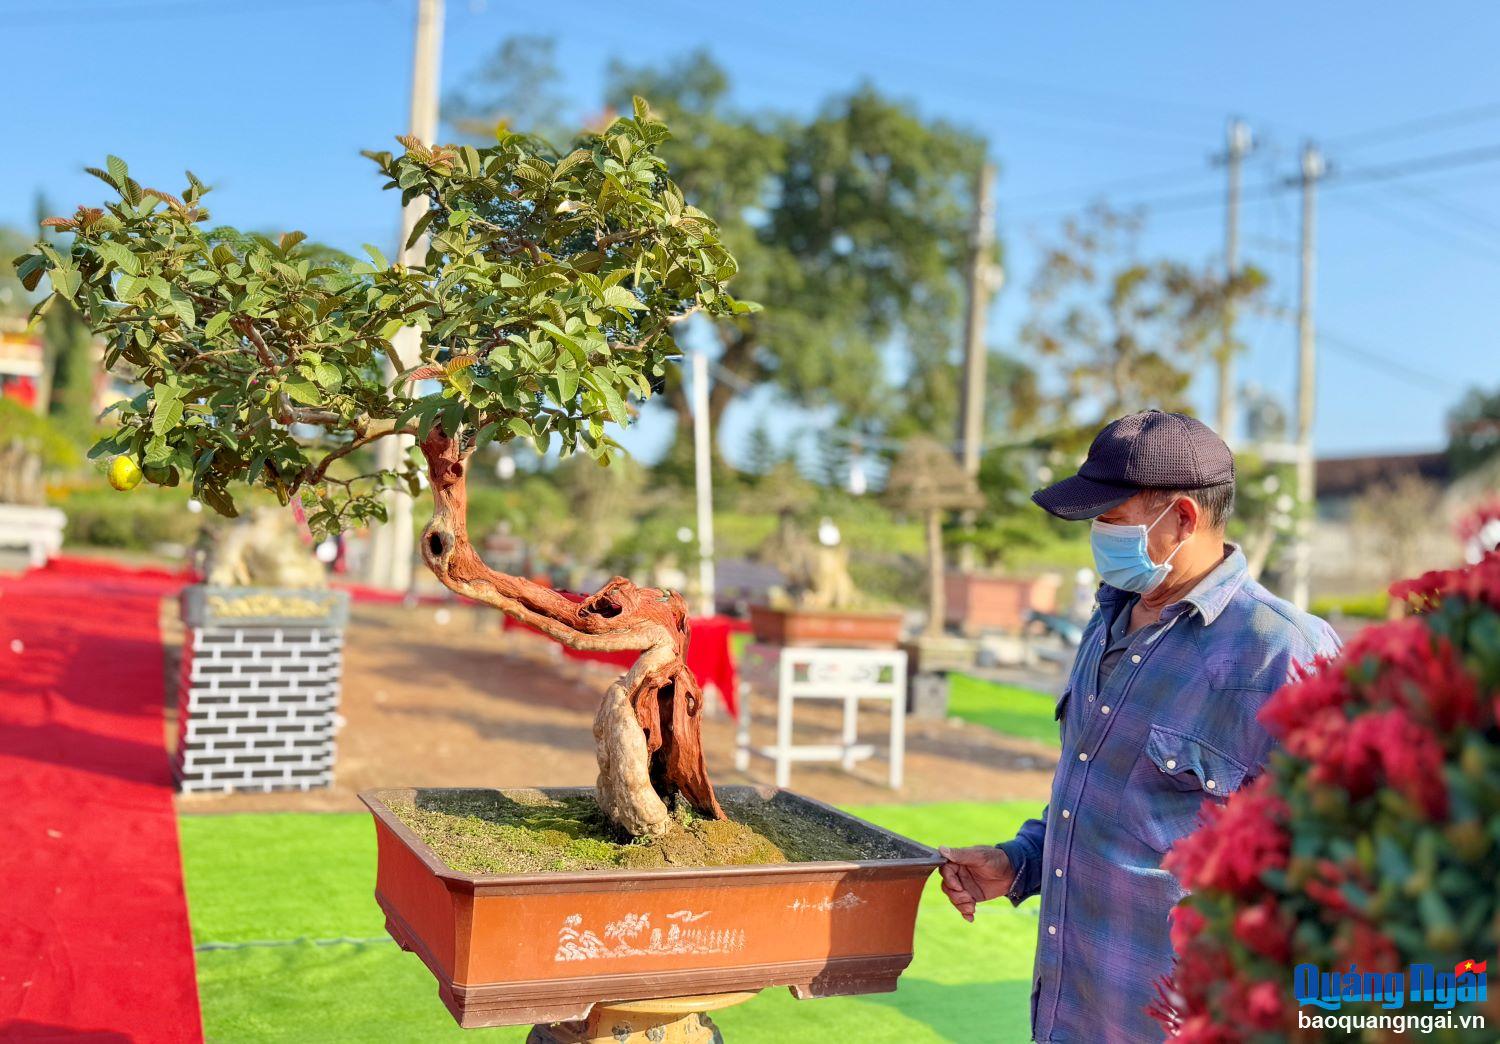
1373 838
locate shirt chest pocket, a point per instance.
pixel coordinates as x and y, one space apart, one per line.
1173 778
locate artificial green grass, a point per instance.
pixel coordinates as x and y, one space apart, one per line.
276 878
1004 708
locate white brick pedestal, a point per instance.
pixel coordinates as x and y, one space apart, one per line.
259 690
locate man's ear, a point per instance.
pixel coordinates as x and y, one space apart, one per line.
1189 516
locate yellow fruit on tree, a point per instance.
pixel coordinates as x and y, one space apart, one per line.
124 474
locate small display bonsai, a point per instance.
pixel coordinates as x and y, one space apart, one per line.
547 298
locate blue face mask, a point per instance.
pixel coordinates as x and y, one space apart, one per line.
1121 557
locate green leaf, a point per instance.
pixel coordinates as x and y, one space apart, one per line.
29 268
612 401
220 500
216 325
619 297
418 229
377 256
66 280
118 255
486 435
117 170
303 392
182 305
328 375
567 341
168 410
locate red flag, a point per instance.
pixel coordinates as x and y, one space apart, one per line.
1470 965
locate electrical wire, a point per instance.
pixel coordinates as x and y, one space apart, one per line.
1421 227
1375 359
1335 178
1419 126
190 9
1196 173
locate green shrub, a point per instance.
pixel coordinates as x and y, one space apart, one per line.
1373 606
138 521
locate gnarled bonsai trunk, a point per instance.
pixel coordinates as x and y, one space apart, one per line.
647 728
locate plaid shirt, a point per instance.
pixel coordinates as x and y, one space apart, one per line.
1174 726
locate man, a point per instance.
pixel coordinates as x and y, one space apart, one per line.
1158 719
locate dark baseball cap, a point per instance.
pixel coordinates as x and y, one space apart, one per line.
1147 450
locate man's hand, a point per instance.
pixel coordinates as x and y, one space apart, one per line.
972 875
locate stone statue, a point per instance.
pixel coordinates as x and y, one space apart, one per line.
263 549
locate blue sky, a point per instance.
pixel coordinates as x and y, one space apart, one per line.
271 101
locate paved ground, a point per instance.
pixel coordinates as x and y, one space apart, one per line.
442 698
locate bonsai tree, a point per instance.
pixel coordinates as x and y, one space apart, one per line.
925 480
548 297
1371 841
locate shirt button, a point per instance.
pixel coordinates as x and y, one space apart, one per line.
1171 763
1135 657
1091 699
1104 709
1210 784
1066 814
1051 929
1083 757
1058 871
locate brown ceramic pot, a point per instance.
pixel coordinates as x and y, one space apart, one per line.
512 949
825 627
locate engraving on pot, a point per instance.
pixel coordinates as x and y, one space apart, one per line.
847 901
633 936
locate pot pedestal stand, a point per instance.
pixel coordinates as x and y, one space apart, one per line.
671 1020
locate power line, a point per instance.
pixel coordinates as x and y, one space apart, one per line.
1419 165
1443 204
1422 165
1423 125
1196 173
194 9
1384 362
1424 228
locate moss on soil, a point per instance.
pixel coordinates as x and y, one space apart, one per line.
486 832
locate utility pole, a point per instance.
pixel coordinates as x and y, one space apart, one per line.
391 544
1313 170
704 478
982 284
1238 144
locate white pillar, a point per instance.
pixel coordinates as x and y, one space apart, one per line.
703 473
391 544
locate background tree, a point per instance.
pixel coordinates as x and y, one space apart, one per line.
926 480
1394 519
1474 430
15 299
515 88
1121 333
854 221
761 454
547 297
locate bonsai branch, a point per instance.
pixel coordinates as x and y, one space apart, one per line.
365 433
647 730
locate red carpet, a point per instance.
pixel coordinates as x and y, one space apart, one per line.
94 939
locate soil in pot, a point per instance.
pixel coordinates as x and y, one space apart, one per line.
489 832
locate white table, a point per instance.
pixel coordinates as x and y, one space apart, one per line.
850 675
